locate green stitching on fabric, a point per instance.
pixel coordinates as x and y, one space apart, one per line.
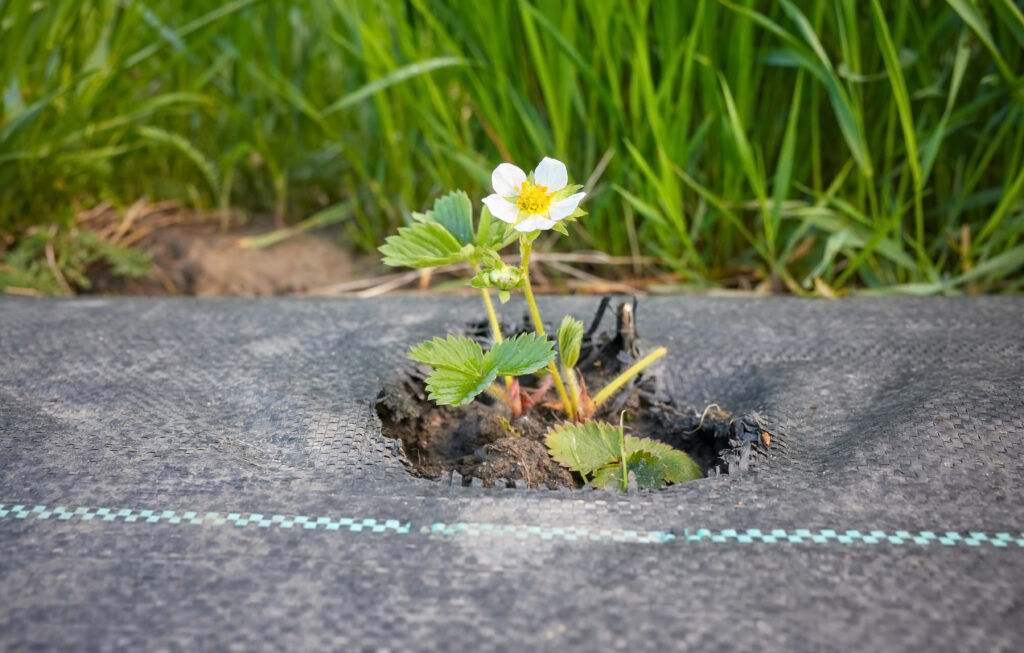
1000 540
749 536
238 520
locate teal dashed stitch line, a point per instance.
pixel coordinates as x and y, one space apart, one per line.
570 534
62 513
950 538
1001 540
924 538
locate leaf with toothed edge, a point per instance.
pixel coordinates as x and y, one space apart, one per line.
523 354
450 387
594 448
449 353
648 469
679 467
458 374
424 245
454 212
584 447
462 371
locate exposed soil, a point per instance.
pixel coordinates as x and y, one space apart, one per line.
482 440
195 256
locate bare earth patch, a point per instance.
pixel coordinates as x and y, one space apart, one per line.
202 260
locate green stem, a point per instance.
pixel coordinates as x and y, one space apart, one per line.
574 389
621 379
495 325
491 314
499 393
538 325
624 485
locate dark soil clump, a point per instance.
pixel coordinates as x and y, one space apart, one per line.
482 440
476 440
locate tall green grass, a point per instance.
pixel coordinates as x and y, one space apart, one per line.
817 145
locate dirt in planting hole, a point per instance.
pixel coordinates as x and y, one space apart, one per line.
482 440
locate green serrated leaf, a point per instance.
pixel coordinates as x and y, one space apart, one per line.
462 370
593 448
584 448
423 245
679 467
454 212
605 475
456 387
570 338
650 470
523 354
460 373
459 354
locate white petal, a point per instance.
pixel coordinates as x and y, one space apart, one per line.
535 222
501 208
551 173
563 208
505 178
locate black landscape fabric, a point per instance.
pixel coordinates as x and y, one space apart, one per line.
210 475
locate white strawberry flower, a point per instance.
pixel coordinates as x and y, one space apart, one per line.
532 205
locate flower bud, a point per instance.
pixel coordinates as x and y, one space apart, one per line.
502 276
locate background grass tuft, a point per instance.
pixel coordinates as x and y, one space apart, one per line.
813 145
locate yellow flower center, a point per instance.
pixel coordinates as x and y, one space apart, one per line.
533 198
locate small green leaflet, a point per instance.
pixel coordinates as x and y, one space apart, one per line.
570 337
584 447
648 469
594 448
423 245
447 387
460 354
679 467
462 371
523 354
445 234
454 212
